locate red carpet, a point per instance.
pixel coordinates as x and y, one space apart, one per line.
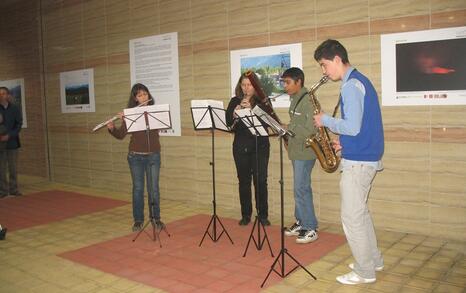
182 266
48 206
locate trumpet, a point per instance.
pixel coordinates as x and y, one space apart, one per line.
114 118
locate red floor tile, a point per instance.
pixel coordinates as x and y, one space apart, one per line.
182 266
49 206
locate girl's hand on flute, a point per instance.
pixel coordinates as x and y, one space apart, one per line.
110 125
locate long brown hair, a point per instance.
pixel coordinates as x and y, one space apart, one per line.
133 102
239 92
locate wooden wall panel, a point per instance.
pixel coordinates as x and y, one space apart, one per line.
421 190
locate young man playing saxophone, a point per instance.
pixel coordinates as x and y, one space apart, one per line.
361 143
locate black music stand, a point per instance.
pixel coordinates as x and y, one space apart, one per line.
210 117
281 256
251 121
146 119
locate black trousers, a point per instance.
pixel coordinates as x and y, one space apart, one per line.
252 166
8 164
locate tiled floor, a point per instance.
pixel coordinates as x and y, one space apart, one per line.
213 267
30 262
44 207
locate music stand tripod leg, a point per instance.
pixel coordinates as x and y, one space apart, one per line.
224 230
259 242
214 218
266 237
153 222
283 249
207 231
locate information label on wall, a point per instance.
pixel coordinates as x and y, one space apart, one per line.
154 63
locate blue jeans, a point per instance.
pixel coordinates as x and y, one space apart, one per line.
304 204
148 165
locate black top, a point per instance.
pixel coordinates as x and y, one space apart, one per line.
243 137
13 120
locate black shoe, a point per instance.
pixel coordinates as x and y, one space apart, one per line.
159 225
17 193
244 221
3 195
265 222
137 226
3 233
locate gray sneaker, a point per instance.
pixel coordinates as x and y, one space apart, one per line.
307 236
293 230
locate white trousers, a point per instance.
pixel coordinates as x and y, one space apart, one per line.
355 184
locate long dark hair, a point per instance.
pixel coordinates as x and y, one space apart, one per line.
239 92
133 102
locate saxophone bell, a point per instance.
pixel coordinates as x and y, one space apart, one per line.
320 141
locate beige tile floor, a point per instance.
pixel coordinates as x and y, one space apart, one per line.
28 261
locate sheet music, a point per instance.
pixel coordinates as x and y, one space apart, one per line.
157 115
202 117
251 121
269 120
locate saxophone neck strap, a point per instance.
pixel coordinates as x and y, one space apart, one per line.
337 106
299 100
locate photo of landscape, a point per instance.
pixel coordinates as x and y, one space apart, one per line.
269 69
77 94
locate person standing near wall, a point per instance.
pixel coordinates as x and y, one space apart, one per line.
361 142
251 162
12 121
143 159
302 158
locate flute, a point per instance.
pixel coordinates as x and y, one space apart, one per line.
114 118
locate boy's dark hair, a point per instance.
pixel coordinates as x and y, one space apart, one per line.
329 49
295 74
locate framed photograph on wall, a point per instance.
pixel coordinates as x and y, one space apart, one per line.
16 87
77 91
424 67
268 63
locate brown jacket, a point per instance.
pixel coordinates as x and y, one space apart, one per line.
138 141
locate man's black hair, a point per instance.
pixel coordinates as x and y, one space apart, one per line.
329 49
295 74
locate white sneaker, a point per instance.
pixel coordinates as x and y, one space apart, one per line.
306 236
293 230
352 278
377 269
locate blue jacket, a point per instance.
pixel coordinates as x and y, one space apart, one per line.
368 144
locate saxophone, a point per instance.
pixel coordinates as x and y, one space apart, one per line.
320 141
